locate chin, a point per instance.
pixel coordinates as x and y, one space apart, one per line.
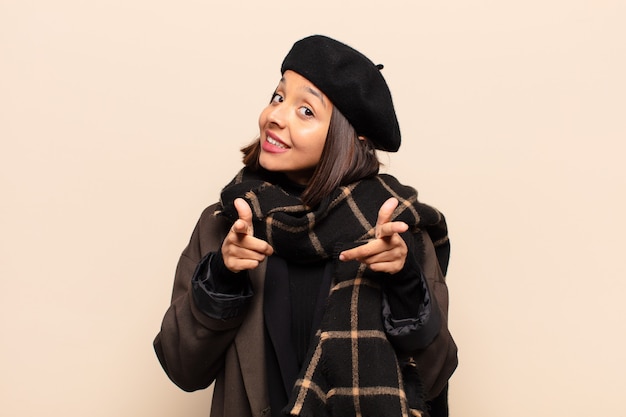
267 166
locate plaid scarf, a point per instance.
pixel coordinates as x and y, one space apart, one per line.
351 368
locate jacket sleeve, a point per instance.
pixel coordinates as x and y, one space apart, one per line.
415 314
437 361
218 292
410 314
191 344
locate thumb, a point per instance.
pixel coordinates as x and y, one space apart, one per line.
244 223
385 212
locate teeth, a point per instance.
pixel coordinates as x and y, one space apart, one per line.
276 143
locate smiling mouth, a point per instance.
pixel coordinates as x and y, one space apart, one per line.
276 143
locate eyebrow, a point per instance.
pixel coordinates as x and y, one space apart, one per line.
313 91
316 94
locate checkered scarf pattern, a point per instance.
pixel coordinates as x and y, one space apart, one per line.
351 368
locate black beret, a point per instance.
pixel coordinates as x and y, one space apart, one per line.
352 82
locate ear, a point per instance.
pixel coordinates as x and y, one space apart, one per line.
361 137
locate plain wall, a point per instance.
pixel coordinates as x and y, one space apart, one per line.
121 120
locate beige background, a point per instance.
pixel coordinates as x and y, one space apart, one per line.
121 120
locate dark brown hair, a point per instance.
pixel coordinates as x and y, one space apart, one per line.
345 159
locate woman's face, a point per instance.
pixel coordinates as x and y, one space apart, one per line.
293 128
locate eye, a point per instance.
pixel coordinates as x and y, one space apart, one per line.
306 112
276 98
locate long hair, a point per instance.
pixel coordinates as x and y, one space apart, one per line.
345 159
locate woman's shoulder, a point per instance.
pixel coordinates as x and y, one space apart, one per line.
393 181
211 217
210 228
211 211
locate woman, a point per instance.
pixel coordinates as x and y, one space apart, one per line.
315 286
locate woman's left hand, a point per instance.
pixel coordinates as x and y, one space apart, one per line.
387 252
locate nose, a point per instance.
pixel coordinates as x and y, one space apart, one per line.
276 114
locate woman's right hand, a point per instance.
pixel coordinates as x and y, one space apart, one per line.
240 249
